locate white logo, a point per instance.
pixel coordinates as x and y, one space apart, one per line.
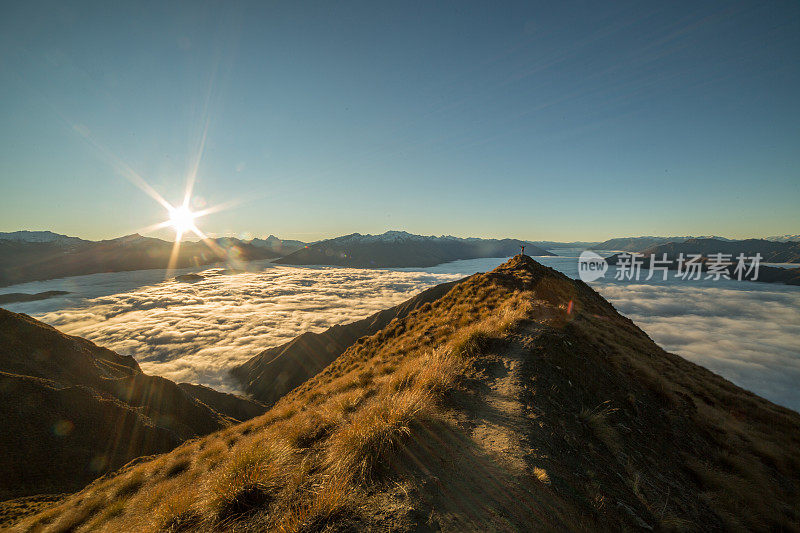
591 266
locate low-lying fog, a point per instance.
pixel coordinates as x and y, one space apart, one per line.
745 331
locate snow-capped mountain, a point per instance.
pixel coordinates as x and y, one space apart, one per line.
39 236
389 236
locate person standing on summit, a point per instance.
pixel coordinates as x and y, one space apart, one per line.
521 249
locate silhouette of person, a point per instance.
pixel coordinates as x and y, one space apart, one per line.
521 249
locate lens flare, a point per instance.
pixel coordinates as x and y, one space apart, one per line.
182 219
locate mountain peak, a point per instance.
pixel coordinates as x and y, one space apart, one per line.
524 263
129 238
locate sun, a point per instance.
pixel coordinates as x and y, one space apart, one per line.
182 219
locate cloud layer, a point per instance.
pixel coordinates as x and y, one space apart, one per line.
196 331
747 332
751 337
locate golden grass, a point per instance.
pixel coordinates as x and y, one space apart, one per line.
179 512
249 479
327 447
541 475
375 433
310 457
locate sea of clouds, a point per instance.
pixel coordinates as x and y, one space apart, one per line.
747 332
195 332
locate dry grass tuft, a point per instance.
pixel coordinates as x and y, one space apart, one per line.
329 500
375 433
177 467
472 341
541 475
72 517
131 484
248 481
597 420
179 512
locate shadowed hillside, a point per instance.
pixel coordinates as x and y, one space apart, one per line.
275 371
72 410
518 400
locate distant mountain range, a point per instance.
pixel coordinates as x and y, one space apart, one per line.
635 244
784 238
40 255
39 236
279 246
551 245
73 411
771 251
46 257
398 249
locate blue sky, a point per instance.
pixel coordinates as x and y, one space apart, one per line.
531 120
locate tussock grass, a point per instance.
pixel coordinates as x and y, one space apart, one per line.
330 499
130 484
74 516
597 419
179 512
375 433
541 474
211 455
249 479
177 467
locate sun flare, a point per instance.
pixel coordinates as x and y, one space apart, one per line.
182 219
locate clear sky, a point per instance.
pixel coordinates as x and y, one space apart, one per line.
541 120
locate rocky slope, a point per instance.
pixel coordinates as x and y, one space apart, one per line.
72 410
518 400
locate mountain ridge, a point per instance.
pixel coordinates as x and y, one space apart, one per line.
39 236
520 399
400 249
635 244
22 262
771 251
